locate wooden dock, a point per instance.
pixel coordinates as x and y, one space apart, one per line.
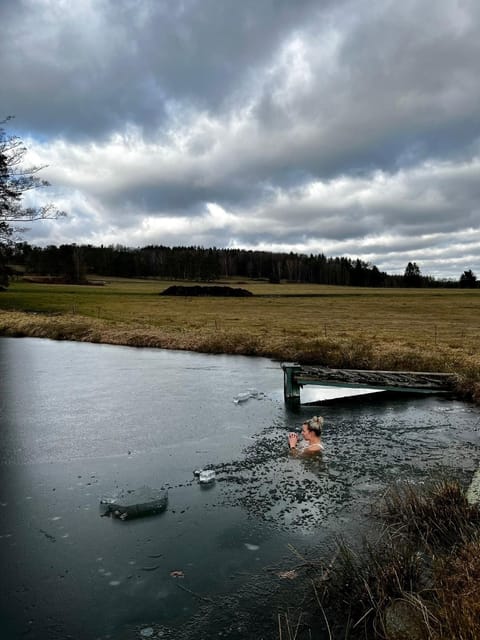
296 376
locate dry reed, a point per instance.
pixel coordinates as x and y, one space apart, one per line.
417 581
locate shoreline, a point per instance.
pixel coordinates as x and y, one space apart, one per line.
342 352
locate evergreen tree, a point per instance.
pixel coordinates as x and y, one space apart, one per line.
468 280
412 276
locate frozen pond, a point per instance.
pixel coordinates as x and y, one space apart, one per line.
79 421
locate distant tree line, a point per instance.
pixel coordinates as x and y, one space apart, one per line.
75 263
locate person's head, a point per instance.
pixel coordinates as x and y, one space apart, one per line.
312 428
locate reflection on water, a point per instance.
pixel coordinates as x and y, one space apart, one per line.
81 421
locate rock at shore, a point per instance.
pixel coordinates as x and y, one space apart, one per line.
473 491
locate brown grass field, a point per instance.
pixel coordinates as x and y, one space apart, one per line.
396 329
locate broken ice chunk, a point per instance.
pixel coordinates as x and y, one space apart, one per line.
135 503
206 476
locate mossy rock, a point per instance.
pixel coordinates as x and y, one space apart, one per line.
403 620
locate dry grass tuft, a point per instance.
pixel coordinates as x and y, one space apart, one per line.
364 583
457 593
440 517
418 581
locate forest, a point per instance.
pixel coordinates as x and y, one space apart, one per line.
75 263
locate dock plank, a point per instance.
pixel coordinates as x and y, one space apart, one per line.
296 376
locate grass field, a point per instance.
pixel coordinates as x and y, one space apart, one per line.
409 329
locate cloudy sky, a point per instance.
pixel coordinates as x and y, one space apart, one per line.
347 127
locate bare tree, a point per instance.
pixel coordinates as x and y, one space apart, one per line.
15 181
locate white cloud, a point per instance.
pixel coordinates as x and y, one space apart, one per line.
343 127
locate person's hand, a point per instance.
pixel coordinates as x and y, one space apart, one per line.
292 440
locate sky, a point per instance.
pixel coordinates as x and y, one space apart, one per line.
342 127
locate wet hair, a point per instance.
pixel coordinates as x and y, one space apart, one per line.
315 424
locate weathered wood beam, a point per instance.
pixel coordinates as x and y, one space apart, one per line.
410 381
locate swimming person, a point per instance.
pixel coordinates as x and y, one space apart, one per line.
311 433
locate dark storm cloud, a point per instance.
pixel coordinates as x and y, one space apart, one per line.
344 127
84 69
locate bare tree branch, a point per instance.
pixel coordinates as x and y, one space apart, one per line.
15 180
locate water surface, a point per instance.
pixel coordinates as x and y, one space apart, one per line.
80 421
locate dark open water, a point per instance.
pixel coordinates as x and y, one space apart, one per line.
80 421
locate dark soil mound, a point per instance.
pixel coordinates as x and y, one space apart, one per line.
196 290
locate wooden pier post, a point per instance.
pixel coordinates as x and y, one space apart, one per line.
291 389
